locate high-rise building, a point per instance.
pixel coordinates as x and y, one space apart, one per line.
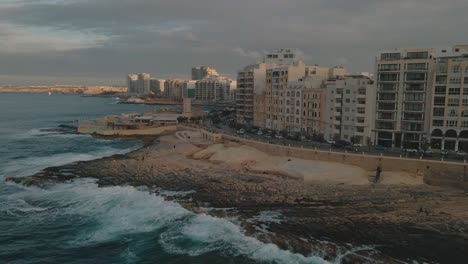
143 83
176 89
404 81
213 89
132 83
250 81
156 86
202 72
449 125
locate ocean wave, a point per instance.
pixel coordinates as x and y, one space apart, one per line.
28 166
118 212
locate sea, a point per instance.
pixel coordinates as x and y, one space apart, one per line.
79 222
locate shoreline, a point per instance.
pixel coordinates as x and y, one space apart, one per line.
392 216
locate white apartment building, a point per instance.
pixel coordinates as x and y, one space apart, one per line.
213 89
156 86
176 89
404 90
449 126
143 83
350 109
132 83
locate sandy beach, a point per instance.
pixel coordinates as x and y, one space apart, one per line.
323 207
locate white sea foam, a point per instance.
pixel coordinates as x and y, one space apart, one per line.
117 212
31 165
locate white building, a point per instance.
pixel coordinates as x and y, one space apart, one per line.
350 109
132 83
404 80
202 72
213 89
143 83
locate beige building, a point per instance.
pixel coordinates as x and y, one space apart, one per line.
404 81
350 109
250 81
449 126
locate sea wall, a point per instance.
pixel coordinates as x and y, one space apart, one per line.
439 173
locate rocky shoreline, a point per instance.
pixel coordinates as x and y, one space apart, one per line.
344 223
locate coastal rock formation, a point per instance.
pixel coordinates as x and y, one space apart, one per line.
354 222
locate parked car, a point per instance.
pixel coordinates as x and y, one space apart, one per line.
380 148
267 136
279 136
259 132
461 153
410 150
241 131
329 141
341 144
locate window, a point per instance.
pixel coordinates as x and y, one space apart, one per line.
454 91
390 56
389 67
453 113
417 55
388 77
464 124
360 129
453 101
456 69
465 102
455 80
361 110
347 91
439 112
439 100
348 100
298 103
362 91
438 122
451 123
440 90
416 66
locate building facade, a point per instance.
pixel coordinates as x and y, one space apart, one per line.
213 89
175 89
449 124
250 81
156 86
350 109
132 83
143 83
404 90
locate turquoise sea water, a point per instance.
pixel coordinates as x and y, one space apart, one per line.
78 222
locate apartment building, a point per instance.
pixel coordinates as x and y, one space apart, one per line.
213 89
350 109
156 86
449 124
250 81
202 72
132 83
404 92
176 89
143 83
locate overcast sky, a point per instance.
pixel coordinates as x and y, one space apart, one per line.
100 41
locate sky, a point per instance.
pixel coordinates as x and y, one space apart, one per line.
100 41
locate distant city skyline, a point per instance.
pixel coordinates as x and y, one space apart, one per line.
100 41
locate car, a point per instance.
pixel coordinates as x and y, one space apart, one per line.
259 132
357 145
329 141
444 152
279 136
267 136
380 148
461 153
241 131
410 150
341 144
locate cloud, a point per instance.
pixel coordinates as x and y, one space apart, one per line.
110 37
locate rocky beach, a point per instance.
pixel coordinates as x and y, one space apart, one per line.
309 207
